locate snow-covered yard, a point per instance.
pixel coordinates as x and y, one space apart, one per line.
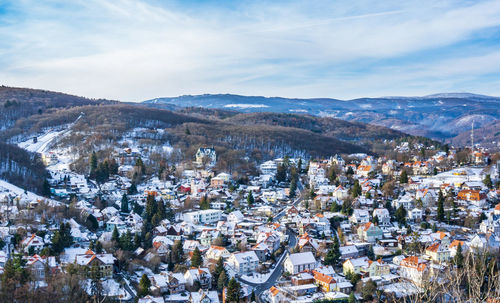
256 277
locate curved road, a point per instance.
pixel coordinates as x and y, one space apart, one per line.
259 288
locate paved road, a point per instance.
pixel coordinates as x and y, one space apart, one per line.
259 288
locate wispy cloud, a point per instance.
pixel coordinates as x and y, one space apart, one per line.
134 50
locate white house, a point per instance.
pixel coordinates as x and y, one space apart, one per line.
244 262
295 263
207 216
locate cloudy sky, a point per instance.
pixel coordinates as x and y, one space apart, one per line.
137 50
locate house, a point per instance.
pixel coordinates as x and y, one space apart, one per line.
356 266
244 262
383 216
438 252
217 252
325 282
176 283
454 246
276 296
39 265
207 216
33 242
150 299
235 217
104 262
307 243
298 262
206 156
360 216
348 252
200 275
113 222
370 232
475 197
204 296
378 268
413 269
415 214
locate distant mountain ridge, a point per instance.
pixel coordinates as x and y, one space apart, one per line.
439 116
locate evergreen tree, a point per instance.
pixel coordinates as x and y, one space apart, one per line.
221 281
401 215
219 268
299 166
332 175
281 173
93 164
140 165
132 189
459 257
196 259
250 199
98 247
144 285
356 189
252 297
204 203
233 291
440 207
487 181
333 255
403 178
115 236
124 205
351 299
46 188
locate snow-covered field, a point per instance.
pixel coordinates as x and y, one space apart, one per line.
43 141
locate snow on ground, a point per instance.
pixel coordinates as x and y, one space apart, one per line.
70 253
43 141
256 277
244 105
7 188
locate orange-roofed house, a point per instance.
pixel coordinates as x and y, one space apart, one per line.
326 282
438 252
413 269
454 246
475 197
370 232
364 170
276 296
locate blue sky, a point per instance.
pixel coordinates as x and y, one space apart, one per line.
137 50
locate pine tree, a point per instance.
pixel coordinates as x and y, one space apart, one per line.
401 215
124 206
403 178
144 285
351 299
46 188
333 255
93 164
115 236
250 199
487 181
252 297
219 268
281 173
233 291
440 207
196 259
222 281
459 257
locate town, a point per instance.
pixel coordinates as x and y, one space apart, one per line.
350 228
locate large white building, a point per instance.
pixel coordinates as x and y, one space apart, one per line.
244 262
295 263
207 216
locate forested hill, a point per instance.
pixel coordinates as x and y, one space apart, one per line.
16 103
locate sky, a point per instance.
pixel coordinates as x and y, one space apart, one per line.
138 50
